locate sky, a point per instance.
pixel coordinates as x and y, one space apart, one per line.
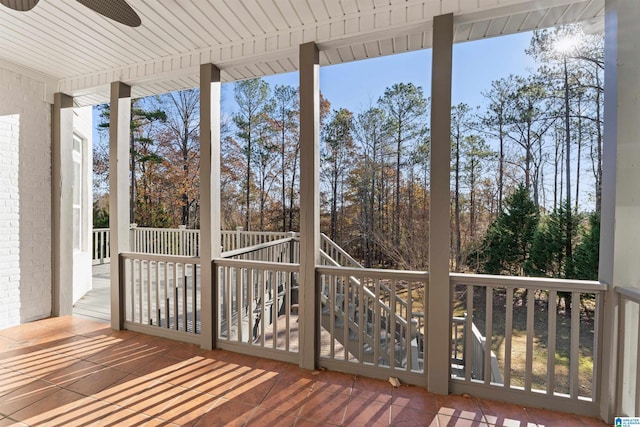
357 85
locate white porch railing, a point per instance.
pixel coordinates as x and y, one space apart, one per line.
165 241
232 240
186 242
471 360
161 295
371 322
370 332
258 299
628 375
101 245
337 254
544 361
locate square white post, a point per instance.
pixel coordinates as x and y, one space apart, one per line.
62 204
439 299
119 133
620 228
309 202
209 199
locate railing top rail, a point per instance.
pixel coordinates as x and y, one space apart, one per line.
327 258
165 229
334 263
632 294
341 251
100 229
374 273
261 265
249 249
160 258
526 282
262 233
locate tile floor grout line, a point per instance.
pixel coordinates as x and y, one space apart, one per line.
325 382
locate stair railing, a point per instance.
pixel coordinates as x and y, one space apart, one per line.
394 324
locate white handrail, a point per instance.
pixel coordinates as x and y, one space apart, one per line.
563 285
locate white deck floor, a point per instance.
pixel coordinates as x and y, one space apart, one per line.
96 304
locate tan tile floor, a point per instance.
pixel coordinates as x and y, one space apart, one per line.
70 372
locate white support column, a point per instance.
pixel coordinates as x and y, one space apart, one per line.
620 228
119 132
210 243
62 204
309 201
439 300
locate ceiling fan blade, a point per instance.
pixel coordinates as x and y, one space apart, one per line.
19 5
118 10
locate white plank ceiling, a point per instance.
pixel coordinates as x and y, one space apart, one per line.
80 52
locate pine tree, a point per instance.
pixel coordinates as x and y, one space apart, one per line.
508 240
587 254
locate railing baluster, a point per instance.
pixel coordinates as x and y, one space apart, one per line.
132 264
574 361
468 335
551 343
233 273
488 333
141 294
392 322
622 308
345 315
249 288
239 285
507 337
194 297
595 376
176 291
274 305
637 396
332 311
286 279
166 295
530 334
361 322
157 287
185 281
264 285
409 318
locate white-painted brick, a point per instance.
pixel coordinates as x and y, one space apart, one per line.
25 200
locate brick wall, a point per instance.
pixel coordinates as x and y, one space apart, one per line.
25 200
9 220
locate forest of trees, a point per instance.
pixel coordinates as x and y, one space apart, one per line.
526 167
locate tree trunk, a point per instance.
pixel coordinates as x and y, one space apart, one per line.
456 206
247 215
284 196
